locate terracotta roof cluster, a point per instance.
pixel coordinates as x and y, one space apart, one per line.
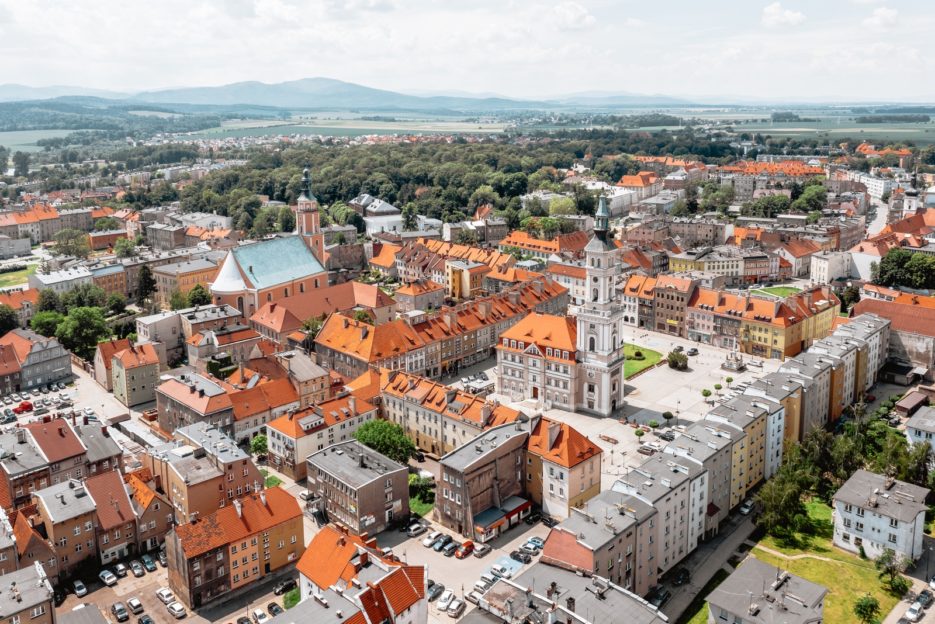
790 168
322 416
34 214
910 317
568 270
451 251
372 344
141 491
639 180
800 248
511 274
780 312
571 243
110 498
559 333
636 258
206 234
419 287
385 257
22 341
870 150
262 398
56 439
229 524
671 162
681 284
290 313
560 443
449 402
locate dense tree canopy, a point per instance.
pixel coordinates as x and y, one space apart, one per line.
387 438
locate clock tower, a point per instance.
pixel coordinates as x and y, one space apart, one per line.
307 219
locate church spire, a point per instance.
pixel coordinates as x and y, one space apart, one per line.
307 184
601 218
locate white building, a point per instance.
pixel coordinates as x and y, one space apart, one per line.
874 512
828 266
61 281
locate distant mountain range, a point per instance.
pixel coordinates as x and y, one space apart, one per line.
330 94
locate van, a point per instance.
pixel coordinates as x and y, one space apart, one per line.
488 578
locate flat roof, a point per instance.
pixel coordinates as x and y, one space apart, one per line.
353 463
764 594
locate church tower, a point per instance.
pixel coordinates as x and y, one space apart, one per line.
600 324
308 221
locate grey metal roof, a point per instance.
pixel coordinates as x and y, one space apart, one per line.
339 608
482 446
300 366
588 605
888 497
353 463
186 266
603 518
923 420
66 500
654 479
99 445
23 589
88 614
701 440
214 441
763 594
19 454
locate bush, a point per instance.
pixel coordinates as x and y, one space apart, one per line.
638 355
899 585
291 598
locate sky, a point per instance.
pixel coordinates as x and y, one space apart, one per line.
830 50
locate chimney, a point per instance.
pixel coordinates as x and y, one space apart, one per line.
239 507
352 405
263 497
105 432
554 429
61 431
485 412
201 393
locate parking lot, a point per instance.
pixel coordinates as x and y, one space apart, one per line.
459 575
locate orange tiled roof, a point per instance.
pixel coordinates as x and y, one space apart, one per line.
262 397
142 493
386 258
799 248
366 342
545 331
641 286
16 298
573 242
175 389
56 439
368 385
792 168
137 356
568 270
870 150
452 251
289 313
449 402
9 364
226 525
568 449
332 413
640 180
329 557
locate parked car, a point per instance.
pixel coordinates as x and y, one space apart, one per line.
137 568
538 542
746 507
435 591
135 606
533 518
416 530
442 541
915 612
456 608
450 549
925 598
176 610
668 436
284 586
163 560
678 348
165 595
500 570
445 600
148 563
89 411
692 351
473 596
243 619
465 550
274 609
518 555
658 595
429 539
259 616
80 588
549 521
528 549
481 550
145 619
120 611
681 577
107 577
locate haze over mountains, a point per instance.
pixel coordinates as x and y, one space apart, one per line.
327 93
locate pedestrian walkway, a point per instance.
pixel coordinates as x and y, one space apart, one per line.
705 561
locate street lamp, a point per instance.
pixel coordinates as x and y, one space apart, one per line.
678 403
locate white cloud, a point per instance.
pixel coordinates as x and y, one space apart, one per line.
571 15
774 15
882 17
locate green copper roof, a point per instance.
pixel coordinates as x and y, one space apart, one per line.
275 261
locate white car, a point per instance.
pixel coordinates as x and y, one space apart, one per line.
89 411
456 608
260 617
80 589
429 539
107 577
445 599
746 507
176 610
500 570
165 595
915 612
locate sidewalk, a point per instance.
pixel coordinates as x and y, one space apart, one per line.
705 561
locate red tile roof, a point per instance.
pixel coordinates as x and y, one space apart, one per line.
110 498
544 331
137 356
290 313
569 447
56 439
262 398
16 298
108 348
226 525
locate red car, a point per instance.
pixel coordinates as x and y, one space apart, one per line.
464 550
23 407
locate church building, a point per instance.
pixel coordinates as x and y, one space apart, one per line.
258 273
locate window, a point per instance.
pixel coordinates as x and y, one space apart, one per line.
892 538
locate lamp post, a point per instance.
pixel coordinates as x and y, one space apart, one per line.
678 403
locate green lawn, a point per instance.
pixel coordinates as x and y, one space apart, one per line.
778 291
271 480
697 611
16 278
846 576
420 507
632 366
291 598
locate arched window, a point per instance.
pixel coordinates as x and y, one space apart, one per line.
301 287
613 341
286 292
239 303
269 296
591 343
594 294
316 282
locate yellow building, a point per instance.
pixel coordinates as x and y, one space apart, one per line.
746 424
465 278
182 277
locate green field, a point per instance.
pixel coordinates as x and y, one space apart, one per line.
420 507
777 291
17 278
846 576
632 366
347 127
25 140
